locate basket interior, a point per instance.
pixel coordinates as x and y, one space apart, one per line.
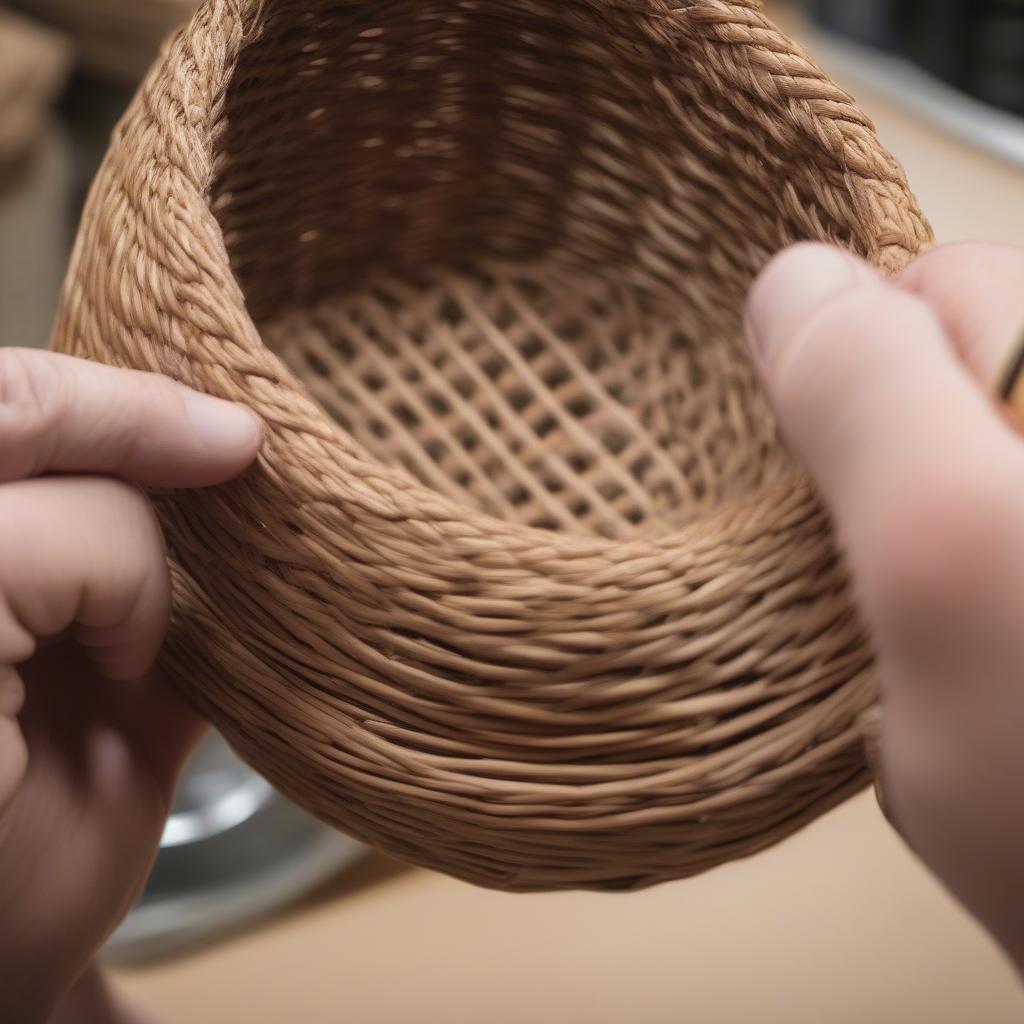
507 247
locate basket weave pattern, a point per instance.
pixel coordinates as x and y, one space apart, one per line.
525 587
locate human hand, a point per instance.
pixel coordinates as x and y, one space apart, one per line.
883 389
91 740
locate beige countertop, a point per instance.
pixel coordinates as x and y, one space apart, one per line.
837 925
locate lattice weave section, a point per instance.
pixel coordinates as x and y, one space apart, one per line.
564 408
525 587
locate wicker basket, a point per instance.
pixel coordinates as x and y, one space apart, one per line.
525 587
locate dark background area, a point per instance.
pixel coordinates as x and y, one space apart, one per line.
975 45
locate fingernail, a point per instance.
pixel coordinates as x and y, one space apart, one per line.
793 288
221 424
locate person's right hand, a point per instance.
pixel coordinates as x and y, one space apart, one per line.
883 388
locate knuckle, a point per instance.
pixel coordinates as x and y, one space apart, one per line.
131 523
32 392
144 543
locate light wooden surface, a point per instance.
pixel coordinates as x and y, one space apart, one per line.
838 926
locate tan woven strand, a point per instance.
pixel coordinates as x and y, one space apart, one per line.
525 587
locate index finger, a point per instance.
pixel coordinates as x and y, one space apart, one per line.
61 414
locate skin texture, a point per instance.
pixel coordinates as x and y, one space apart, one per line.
91 740
883 389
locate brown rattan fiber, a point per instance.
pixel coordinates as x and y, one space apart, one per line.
525 587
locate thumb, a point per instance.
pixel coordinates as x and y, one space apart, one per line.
865 381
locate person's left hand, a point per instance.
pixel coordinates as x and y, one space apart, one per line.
91 740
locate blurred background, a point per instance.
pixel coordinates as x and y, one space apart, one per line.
255 913
975 46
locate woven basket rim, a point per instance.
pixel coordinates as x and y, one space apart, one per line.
237 25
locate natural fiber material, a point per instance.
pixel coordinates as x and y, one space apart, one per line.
116 39
525 587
